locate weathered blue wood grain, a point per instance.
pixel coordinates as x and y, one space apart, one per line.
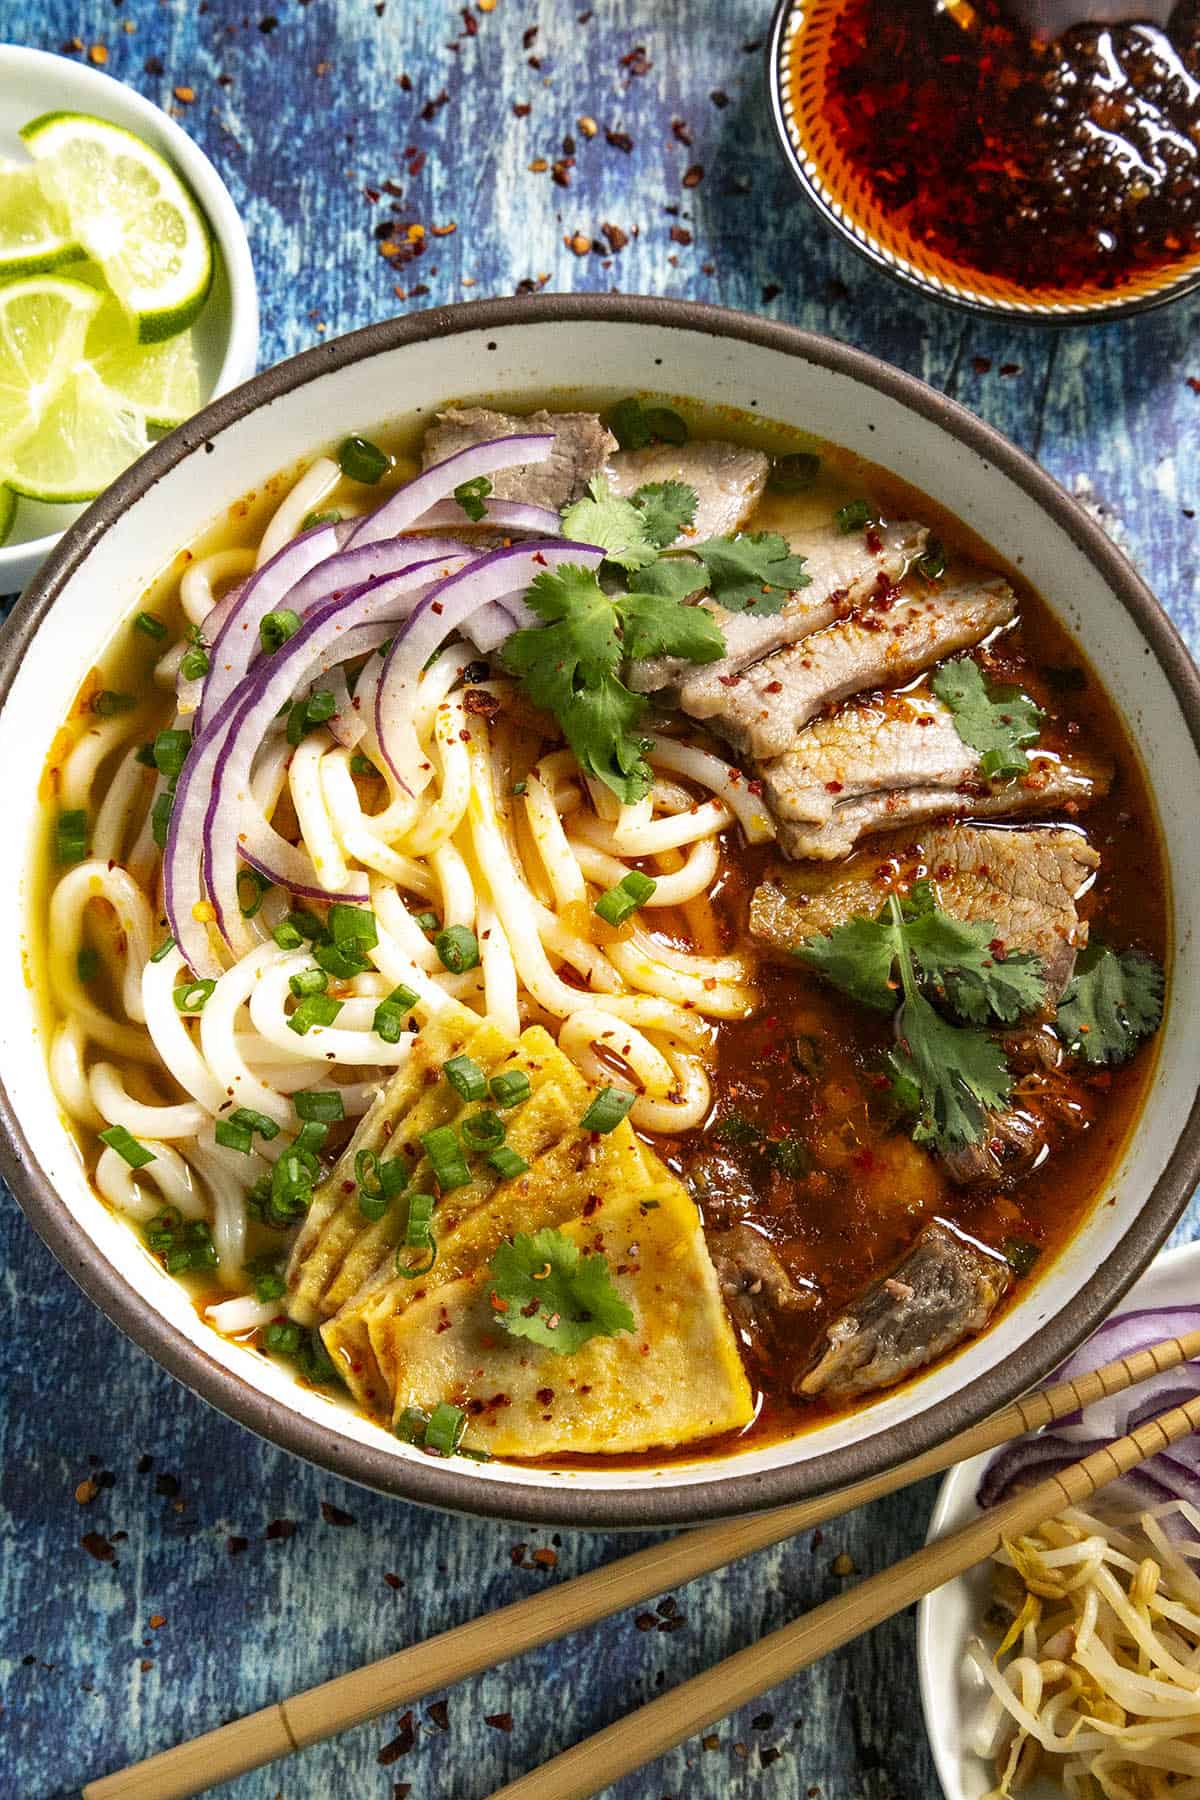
313 113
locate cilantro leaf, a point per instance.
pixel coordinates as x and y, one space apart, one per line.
570 666
857 957
552 1295
1114 1000
956 956
996 721
755 570
672 578
949 1075
667 508
616 526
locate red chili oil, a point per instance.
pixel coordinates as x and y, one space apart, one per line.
1066 165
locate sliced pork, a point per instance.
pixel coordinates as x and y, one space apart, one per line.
761 710
943 1292
582 446
898 760
1024 883
728 480
844 573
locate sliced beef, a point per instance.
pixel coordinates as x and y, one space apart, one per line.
728 479
943 1292
762 710
1015 1141
763 1300
1022 882
582 445
898 760
845 573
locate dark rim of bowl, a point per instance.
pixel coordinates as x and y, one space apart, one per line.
1104 312
645 1505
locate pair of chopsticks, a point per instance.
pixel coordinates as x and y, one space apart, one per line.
588 1767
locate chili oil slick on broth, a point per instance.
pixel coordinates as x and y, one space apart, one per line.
597 931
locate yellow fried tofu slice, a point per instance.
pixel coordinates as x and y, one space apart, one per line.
676 1379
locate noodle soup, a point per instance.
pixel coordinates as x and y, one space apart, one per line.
598 931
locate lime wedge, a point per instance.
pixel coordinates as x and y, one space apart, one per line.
43 325
8 512
131 212
83 440
162 381
34 234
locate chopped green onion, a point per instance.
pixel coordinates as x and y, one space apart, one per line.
194 663
311 520
275 628
483 1130
283 1335
445 1429
1020 1254
388 1022
164 950
420 1218
311 1136
445 1153
378 1181
270 1285
145 755
472 497
615 906
160 818
635 425
256 1121
466 1078
286 936
792 474
933 564
307 924
362 765
342 961
404 997
511 1088
127 1146
306 713
457 948
315 1363
308 981
856 515
150 624
410 1426
234 1135
519 787
251 886
361 460
607 1110
428 921
108 703
507 1164
322 1104
87 964
353 925
170 752
192 996
70 836
314 1009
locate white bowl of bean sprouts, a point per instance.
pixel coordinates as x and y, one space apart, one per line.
419 1071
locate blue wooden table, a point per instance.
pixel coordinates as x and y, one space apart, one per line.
540 145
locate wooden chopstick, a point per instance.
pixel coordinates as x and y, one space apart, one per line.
423 1668
652 1730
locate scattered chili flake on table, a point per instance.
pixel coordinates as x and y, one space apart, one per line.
98 1546
99 54
334 1515
87 1490
236 1545
617 239
694 175
1193 381
710 1741
439 1712
502 1721
680 234
771 291
279 1530
681 131
401 1744
620 140
522 108
719 97
184 95
636 62
769 1755
157 1621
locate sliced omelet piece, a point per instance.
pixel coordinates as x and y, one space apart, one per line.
677 1378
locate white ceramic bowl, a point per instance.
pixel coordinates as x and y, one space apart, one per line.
954 1697
618 344
34 82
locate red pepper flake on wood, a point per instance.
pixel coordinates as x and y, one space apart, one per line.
719 98
681 131
280 1530
401 1744
98 1546
636 62
620 140
693 176
439 1712
334 1515
499 1721
184 95
617 239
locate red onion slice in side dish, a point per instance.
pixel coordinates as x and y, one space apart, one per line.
446 608
1172 1475
498 515
232 818
409 503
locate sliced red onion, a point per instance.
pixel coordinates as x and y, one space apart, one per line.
308 570
489 627
345 725
232 822
443 610
502 515
1173 1475
409 503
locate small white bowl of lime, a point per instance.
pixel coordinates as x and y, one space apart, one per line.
118 344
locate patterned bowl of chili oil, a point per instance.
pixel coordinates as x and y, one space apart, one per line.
1057 182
